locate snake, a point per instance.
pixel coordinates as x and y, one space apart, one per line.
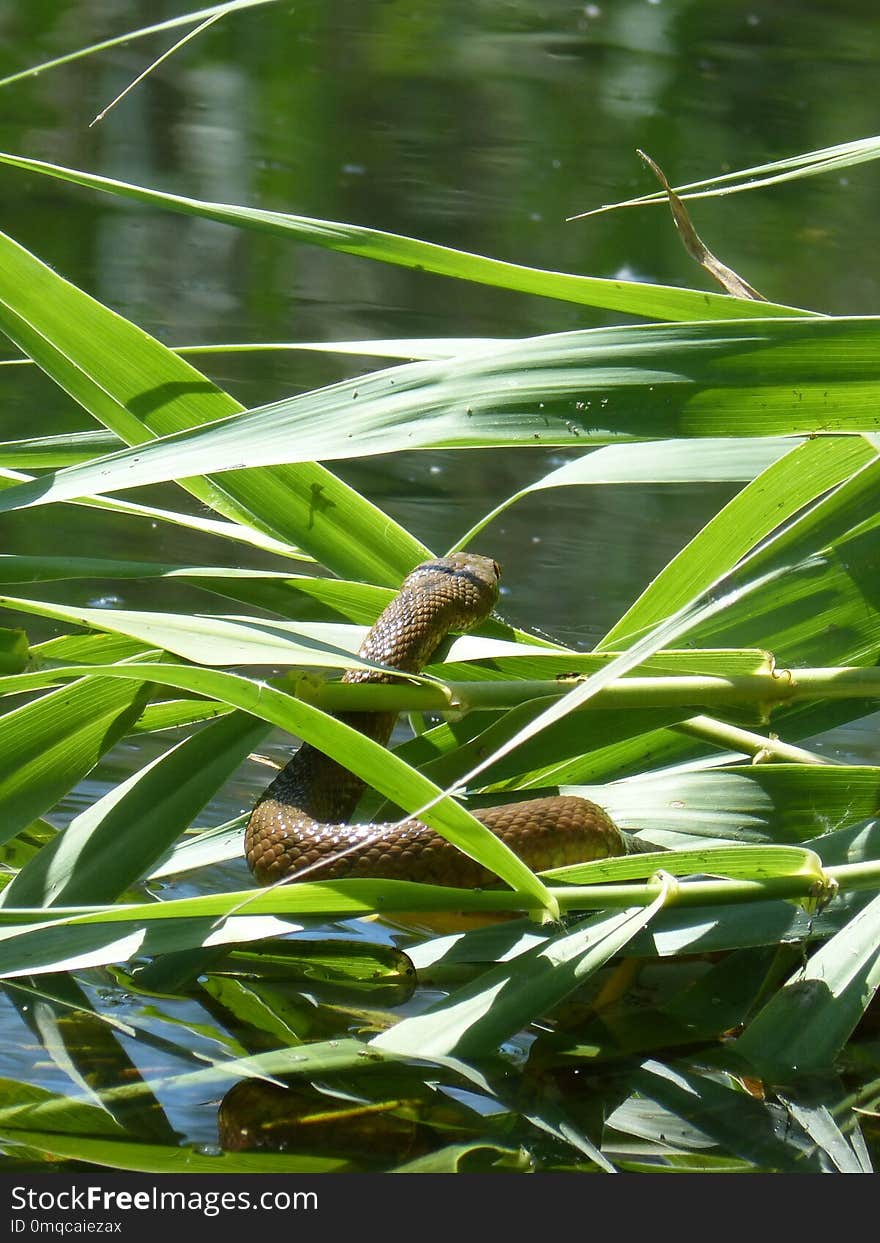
299 827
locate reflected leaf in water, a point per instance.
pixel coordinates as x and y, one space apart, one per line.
85 1046
255 1115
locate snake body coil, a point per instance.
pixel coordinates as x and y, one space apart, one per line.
298 828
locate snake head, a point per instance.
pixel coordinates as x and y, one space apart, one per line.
444 594
467 582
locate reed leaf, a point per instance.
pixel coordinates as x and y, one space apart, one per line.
631 297
641 383
114 842
141 390
805 1025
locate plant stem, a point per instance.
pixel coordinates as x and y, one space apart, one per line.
762 691
759 746
363 896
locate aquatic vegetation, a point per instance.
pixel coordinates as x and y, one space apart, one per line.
713 997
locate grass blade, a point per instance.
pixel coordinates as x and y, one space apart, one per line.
786 487
140 390
48 745
184 19
806 1024
475 1020
115 841
645 383
808 164
652 301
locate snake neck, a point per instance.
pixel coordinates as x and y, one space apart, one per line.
313 793
405 637
321 788
408 634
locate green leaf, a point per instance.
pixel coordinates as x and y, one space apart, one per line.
818 1121
114 842
31 1107
241 999
751 862
139 389
301 596
86 649
653 301
761 508
18 568
378 767
347 967
33 941
475 1020
83 1044
805 1025
817 566
759 802
217 845
194 522
215 640
43 451
674 931
663 461
316 1059
806 164
173 713
650 382
15 853
163 1159
184 19
13 651
479 1156
719 1000
49 744
739 1123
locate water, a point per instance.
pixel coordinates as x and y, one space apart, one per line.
479 126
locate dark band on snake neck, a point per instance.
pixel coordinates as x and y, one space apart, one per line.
299 828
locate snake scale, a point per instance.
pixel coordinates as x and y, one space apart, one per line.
298 828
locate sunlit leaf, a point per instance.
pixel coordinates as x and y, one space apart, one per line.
638 383
139 389
477 1019
803 1026
654 301
49 744
115 841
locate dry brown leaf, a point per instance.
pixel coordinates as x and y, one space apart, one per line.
696 248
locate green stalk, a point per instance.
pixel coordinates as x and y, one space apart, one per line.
847 876
733 738
362 896
761 690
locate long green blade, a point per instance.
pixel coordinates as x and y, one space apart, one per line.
140 390
642 383
114 842
805 1025
652 301
48 745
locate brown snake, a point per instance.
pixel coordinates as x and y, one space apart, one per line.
298 828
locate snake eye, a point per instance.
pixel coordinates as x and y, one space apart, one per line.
497 568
